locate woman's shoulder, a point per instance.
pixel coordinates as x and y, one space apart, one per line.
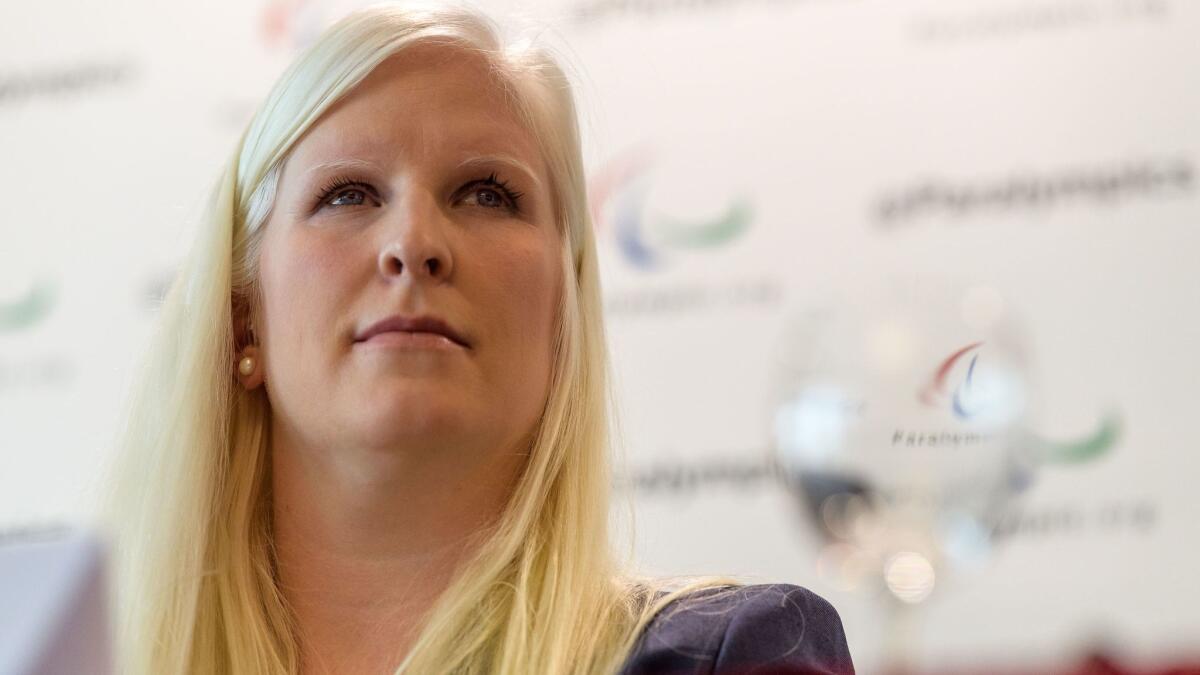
763 629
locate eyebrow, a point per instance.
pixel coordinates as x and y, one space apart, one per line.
340 164
507 160
363 165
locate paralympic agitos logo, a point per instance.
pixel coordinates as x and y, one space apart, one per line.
29 308
937 392
953 384
645 238
293 24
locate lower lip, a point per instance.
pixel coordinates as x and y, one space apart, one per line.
412 340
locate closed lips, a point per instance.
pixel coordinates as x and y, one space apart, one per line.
421 324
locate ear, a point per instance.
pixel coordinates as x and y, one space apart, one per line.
243 330
247 353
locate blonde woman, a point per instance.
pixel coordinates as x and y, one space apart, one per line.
372 434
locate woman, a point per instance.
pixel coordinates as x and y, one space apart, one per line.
372 434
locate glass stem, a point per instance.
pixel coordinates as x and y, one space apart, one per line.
901 639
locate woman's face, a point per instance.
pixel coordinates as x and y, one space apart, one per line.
410 268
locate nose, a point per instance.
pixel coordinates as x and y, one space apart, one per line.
416 244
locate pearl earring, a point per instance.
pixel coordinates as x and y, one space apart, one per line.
246 366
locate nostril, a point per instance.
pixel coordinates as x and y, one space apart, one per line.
434 265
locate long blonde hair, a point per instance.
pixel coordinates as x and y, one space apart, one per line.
197 588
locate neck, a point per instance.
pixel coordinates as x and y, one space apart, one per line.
366 541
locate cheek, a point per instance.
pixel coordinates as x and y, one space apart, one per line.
534 288
526 287
517 288
301 288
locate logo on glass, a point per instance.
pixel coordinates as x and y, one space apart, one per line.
963 401
955 383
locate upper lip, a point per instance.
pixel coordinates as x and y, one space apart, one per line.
412 324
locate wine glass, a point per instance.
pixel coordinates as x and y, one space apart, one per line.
899 427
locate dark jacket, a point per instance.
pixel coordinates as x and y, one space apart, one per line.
761 630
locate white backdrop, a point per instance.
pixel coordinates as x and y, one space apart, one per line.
1045 149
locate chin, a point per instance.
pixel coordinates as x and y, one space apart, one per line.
419 418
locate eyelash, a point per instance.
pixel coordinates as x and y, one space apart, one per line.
491 181
336 185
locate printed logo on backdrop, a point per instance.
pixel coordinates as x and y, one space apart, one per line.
646 239
64 82
295 24
592 11
286 26
290 24
963 22
283 26
21 313
959 22
653 243
27 307
1106 186
741 471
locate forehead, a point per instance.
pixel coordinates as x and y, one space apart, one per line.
427 102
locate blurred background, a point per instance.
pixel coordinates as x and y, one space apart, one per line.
751 161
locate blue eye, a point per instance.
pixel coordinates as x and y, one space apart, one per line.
492 193
488 197
487 193
356 196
